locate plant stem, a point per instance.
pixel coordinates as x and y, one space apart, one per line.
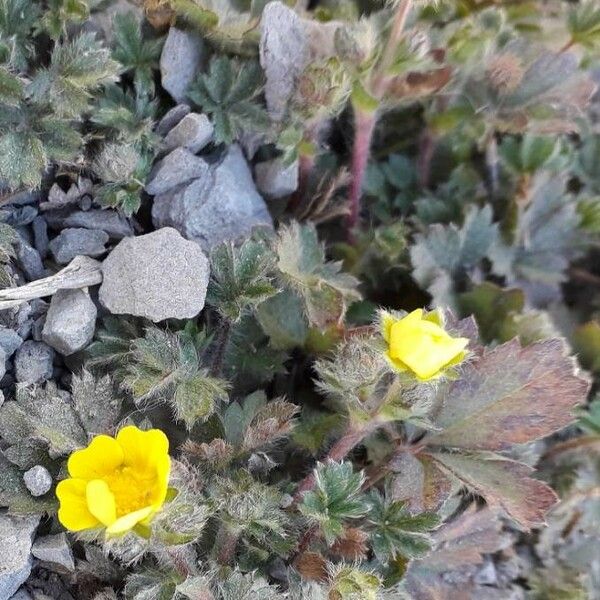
221 344
491 159
225 544
306 163
398 25
351 438
364 125
567 46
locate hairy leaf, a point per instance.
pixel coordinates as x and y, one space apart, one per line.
510 395
95 403
325 290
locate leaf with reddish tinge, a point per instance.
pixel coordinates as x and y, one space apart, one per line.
511 395
504 484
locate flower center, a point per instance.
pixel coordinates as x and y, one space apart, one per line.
131 489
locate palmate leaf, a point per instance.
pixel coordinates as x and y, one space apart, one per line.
95 402
166 367
445 255
137 55
335 498
228 92
61 13
394 530
509 395
240 278
584 24
17 19
324 288
547 237
11 88
76 68
22 158
45 415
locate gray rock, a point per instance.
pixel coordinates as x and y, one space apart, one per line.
182 56
178 167
2 363
158 276
40 236
10 341
22 594
33 362
78 241
38 480
223 205
276 180
487 575
109 221
70 321
171 118
30 261
284 53
54 549
193 132
16 537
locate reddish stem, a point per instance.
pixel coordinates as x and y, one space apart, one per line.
306 163
363 134
225 545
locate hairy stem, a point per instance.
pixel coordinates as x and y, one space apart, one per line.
396 32
492 161
306 163
225 544
221 343
364 123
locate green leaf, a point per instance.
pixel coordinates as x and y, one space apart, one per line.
240 278
283 320
62 13
11 88
95 402
42 414
395 531
137 55
584 24
166 366
547 237
22 159
446 254
324 289
493 308
14 494
76 68
335 498
17 19
228 92
586 343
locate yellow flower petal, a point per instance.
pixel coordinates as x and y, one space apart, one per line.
423 346
387 321
102 456
73 512
101 501
163 470
142 449
129 521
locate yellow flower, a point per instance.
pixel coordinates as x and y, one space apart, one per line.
418 343
115 482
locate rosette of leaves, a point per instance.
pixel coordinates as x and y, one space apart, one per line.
228 93
167 367
43 425
39 115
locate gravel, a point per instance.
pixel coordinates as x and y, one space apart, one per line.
40 236
54 549
276 180
38 480
33 362
223 205
70 321
171 118
78 241
10 341
109 221
193 132
182 56
30 261
158 276
178 167
16 537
